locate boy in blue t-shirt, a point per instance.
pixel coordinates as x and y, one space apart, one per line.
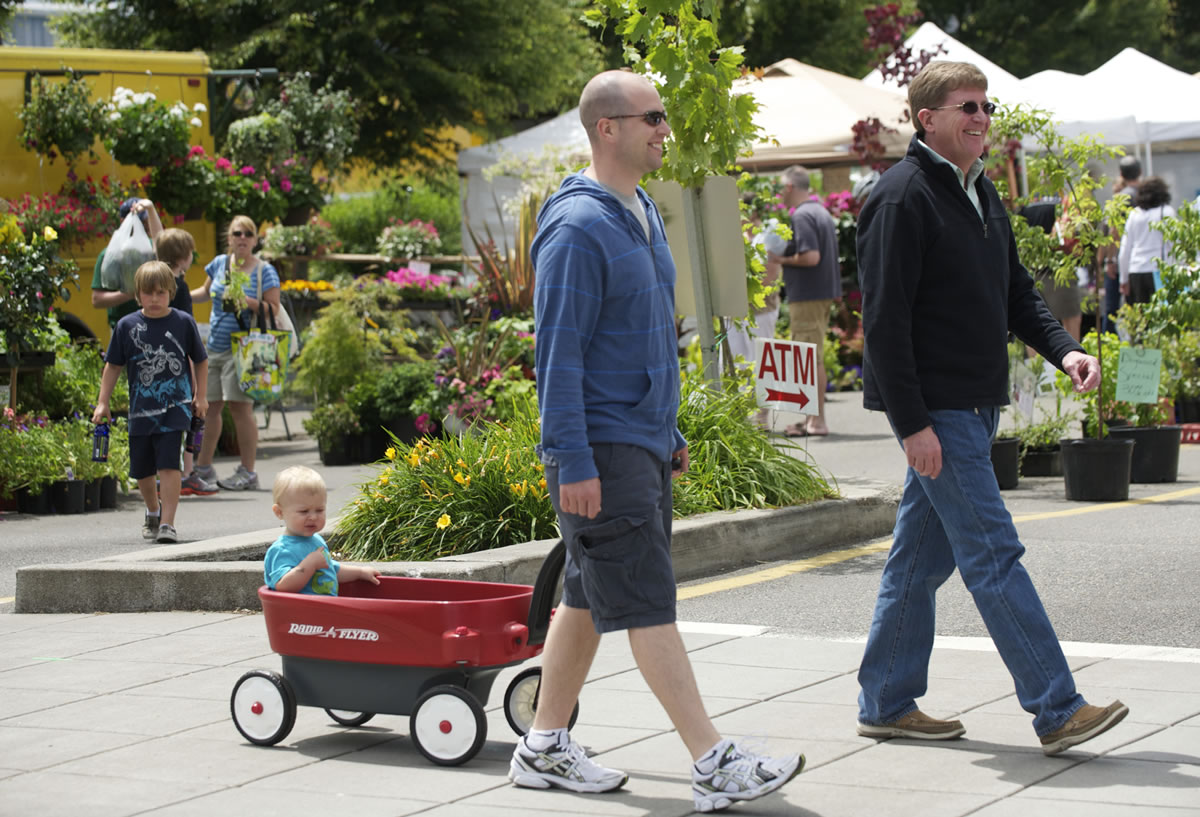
155 344
299 561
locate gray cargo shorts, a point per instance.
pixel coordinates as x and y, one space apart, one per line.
618 565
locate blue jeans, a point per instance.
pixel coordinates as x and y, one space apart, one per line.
959 520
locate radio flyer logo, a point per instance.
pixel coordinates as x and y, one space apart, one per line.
340 633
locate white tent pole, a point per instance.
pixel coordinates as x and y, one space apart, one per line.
1149 160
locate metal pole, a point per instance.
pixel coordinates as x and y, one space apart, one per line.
704 313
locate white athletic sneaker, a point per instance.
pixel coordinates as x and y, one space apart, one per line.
738 774
565 767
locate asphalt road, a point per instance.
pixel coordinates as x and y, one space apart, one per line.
1106 572
1110 573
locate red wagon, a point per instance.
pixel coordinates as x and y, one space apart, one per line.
426 648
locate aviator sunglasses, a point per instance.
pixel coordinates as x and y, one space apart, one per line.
970 107
651 118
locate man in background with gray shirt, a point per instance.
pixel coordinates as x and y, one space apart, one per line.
812 279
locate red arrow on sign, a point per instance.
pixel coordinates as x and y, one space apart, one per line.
774 396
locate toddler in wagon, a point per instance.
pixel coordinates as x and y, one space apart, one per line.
299 561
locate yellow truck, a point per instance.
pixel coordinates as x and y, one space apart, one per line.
169 76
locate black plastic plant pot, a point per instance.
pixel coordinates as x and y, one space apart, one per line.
1006 460
108 492
35 502
68 496
1097 470
1156 455
91 496
1042 462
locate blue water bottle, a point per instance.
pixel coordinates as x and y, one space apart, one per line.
100 443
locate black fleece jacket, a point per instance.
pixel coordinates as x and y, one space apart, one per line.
941 290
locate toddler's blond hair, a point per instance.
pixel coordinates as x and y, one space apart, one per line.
294 480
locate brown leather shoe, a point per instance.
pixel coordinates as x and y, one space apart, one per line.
1085 724
915 724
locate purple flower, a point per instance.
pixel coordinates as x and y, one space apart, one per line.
247 170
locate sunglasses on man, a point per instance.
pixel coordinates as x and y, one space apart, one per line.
651 118
970 107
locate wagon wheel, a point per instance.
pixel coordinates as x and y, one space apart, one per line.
263 707
347 717
520 701
448 725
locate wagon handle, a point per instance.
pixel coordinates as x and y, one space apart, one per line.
544 590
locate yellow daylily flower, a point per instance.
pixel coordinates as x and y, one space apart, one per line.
414 459
542 483
443 521
460 463
390 453
383 479
49 233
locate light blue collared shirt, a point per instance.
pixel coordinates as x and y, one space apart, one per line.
967 180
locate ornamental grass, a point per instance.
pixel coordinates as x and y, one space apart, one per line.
486 488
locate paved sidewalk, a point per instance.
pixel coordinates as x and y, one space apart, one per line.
128 714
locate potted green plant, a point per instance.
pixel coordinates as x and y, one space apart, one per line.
313 239
335 427
1186 398
322 121
1094 469
260 141
408 240
184 185
62 118
145 132
399 388
32 276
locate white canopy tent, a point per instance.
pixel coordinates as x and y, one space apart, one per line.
807 115
1001 84
481 198
1132 100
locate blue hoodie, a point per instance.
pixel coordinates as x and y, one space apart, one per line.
604 306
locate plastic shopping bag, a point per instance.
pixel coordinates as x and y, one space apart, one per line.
261 360
128 249
283 322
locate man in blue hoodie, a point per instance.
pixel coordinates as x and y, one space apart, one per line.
608 392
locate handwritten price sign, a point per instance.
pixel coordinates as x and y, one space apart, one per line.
1138 372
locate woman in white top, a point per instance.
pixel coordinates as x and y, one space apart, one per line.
1142 244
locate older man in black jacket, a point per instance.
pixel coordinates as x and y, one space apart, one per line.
942 287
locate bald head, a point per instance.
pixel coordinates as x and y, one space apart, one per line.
607 94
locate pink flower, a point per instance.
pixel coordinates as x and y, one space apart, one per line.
197 150
285 185
223 163
247 170
266 186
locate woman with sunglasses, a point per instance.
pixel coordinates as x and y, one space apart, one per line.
223 380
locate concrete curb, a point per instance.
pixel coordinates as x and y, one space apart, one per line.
225 573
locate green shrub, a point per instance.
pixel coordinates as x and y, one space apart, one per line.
335 354
733 463
458 494
486 489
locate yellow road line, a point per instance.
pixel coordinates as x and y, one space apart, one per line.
834 557
8 599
